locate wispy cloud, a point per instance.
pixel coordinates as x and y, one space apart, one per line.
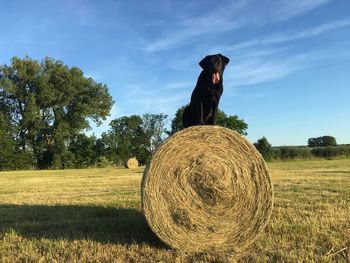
255 72
140 98
178 85
259 70
156 102
291 36
266 12
233 15
213 21
189 30
268 58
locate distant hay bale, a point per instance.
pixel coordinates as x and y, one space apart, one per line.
131 163
207 189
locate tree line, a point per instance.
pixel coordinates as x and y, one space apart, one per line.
320 147
45 107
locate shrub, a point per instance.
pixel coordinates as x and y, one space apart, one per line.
292 153
331 152
265 149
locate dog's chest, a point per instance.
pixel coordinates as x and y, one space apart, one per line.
213 90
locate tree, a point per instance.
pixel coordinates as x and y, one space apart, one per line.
312 142
49 103
328 141
176 123
125 139
11 157
7 143
231 122
265 148
153 126
133 136
322 141
84 150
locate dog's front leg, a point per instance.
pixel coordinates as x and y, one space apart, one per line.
215 104
213 120
201 113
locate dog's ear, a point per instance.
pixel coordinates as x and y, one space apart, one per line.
205 62
225 60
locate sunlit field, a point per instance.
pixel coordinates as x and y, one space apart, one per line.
94 215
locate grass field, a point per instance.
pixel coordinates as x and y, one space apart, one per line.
94 215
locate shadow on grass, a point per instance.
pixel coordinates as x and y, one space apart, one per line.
102 224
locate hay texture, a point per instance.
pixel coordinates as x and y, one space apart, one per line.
207 189
131 163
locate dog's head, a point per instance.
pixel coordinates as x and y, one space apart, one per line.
214 65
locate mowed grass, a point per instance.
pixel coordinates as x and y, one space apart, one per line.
94 215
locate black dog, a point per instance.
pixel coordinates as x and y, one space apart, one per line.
206 95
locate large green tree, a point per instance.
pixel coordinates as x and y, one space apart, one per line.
125 139
231 122
49 103
176 123
84 149
133 136
154 129
11 157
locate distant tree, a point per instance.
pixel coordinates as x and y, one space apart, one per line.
328 141
49 103
176 123
100 148
265 148
153 126
322 141
125 139
312 142
231 122
133 136
84 150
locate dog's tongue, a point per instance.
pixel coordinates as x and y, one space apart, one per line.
215 78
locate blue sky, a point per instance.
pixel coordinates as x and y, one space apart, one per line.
288 78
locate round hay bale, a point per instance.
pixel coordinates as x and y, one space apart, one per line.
207 189
131 163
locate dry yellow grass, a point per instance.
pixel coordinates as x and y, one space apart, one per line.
93 215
